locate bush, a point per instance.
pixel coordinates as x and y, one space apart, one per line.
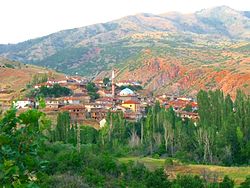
65 181
9 66
94 177
226 183
168 162
188 181
156 156
246 183
157 178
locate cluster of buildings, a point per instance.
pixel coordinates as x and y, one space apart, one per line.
185 107
82 109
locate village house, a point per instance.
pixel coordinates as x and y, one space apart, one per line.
89 106
71 100
189 115
98 82
185 98
6 91
56 81
70 80
121 108
194 106
176 104
98 113
77 113
82 97
53 103
163 99
127 83
102 123
76 79
45 84
105 100
104 93
72 86
24 104
78 90
133 116
133 105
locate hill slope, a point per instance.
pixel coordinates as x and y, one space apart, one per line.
190 51
15 76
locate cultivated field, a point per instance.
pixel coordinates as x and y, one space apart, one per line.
238 174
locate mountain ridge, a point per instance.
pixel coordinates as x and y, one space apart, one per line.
218 37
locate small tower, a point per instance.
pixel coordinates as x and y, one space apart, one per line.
113 83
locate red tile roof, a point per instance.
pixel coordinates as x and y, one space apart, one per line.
71 107
105 99
131 102
193 104
71 98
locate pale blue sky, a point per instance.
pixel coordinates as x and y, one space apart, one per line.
25 19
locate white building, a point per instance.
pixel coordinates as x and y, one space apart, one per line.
102 123
71 100
22 104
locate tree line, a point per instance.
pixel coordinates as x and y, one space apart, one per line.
28 158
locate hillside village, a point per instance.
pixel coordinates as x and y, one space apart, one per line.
113 96
145 100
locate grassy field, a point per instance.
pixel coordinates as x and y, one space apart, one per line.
238 174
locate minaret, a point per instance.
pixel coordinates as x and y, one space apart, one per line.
113 84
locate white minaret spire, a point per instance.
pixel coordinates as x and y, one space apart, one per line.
113 74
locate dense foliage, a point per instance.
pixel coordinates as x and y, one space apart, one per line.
20 144
224 131
55 91
92 90
106 81
29 160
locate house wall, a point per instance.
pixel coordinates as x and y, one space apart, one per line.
133 107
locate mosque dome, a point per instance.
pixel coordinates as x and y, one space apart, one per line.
126 92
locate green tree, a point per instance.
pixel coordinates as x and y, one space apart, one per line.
63 131
20 142
92 90
187 181
226 183
157 179
106 81
246 183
